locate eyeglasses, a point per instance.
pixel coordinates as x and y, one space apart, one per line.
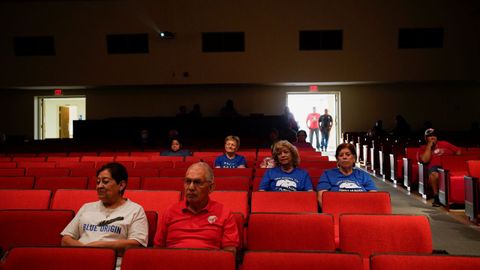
196 182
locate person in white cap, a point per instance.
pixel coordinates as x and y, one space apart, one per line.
431 154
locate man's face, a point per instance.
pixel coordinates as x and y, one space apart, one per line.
431 138
326 111
196 185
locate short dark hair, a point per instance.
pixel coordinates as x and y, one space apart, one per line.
343 146
302 131
118 171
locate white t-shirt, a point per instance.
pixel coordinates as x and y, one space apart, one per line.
86 225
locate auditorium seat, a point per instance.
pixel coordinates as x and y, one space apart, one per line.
145 154
47 172
76 164
177 259
166 158
8 165
28 159
236 201
151 200
83 172
152 218
63 159
300 201
60 258
275 260
163 183
425 262
290 231
34 164
172 172
232 183
24 199
240 221
12 172
72 199
228 172
143 172
369 234
131 158
67 182
337 203
32 227
154 164
97 158
472 191
451 183
17 182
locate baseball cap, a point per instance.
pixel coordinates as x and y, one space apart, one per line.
430 132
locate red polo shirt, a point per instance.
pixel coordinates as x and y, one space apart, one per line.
213 227
442 148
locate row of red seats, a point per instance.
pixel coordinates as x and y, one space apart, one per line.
149 259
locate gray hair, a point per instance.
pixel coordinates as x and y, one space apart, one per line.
208 170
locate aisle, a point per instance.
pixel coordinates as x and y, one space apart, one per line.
451 231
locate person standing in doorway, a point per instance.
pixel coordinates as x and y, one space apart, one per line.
326 123
313 126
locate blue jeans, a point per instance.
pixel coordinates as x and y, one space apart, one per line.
312 131
325 136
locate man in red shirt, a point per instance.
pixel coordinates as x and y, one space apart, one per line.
431 154
197 221
313 126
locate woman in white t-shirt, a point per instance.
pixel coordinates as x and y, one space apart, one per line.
113 221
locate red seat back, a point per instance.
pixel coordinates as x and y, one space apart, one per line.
73 199
424 262
60 258
17 182
236 201
24 199
299 201
275 231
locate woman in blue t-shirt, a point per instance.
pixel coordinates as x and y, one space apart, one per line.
285 176
230 159
346 177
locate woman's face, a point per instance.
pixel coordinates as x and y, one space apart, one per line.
345 158
175 146
230 146
284 156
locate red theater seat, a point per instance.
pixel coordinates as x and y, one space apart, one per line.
152 218
60 258
424 262
337 203
54 183
17 182
177 259
24 199
151 200
12 172
369 234
271 260
32 227
163 183
236 201
232 183
300 201
72 199
290 231
47 172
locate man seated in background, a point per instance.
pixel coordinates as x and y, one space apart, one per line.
431 154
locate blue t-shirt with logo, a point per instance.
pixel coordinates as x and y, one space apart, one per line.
334 180
224 162
275 179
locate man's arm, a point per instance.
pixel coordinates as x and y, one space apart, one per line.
319 196
427 154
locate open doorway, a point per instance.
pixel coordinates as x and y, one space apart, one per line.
302 104
55 115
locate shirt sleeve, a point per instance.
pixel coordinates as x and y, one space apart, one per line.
138 229
324 183
218 162
73 228
160 238
230 236
368 183
452 147
308 182
265 183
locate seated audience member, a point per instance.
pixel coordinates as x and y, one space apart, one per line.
346 177
175 149
197 221
431 154
285 176
301 142
230 159
113 221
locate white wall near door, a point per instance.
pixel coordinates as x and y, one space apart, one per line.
51 114
301 104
